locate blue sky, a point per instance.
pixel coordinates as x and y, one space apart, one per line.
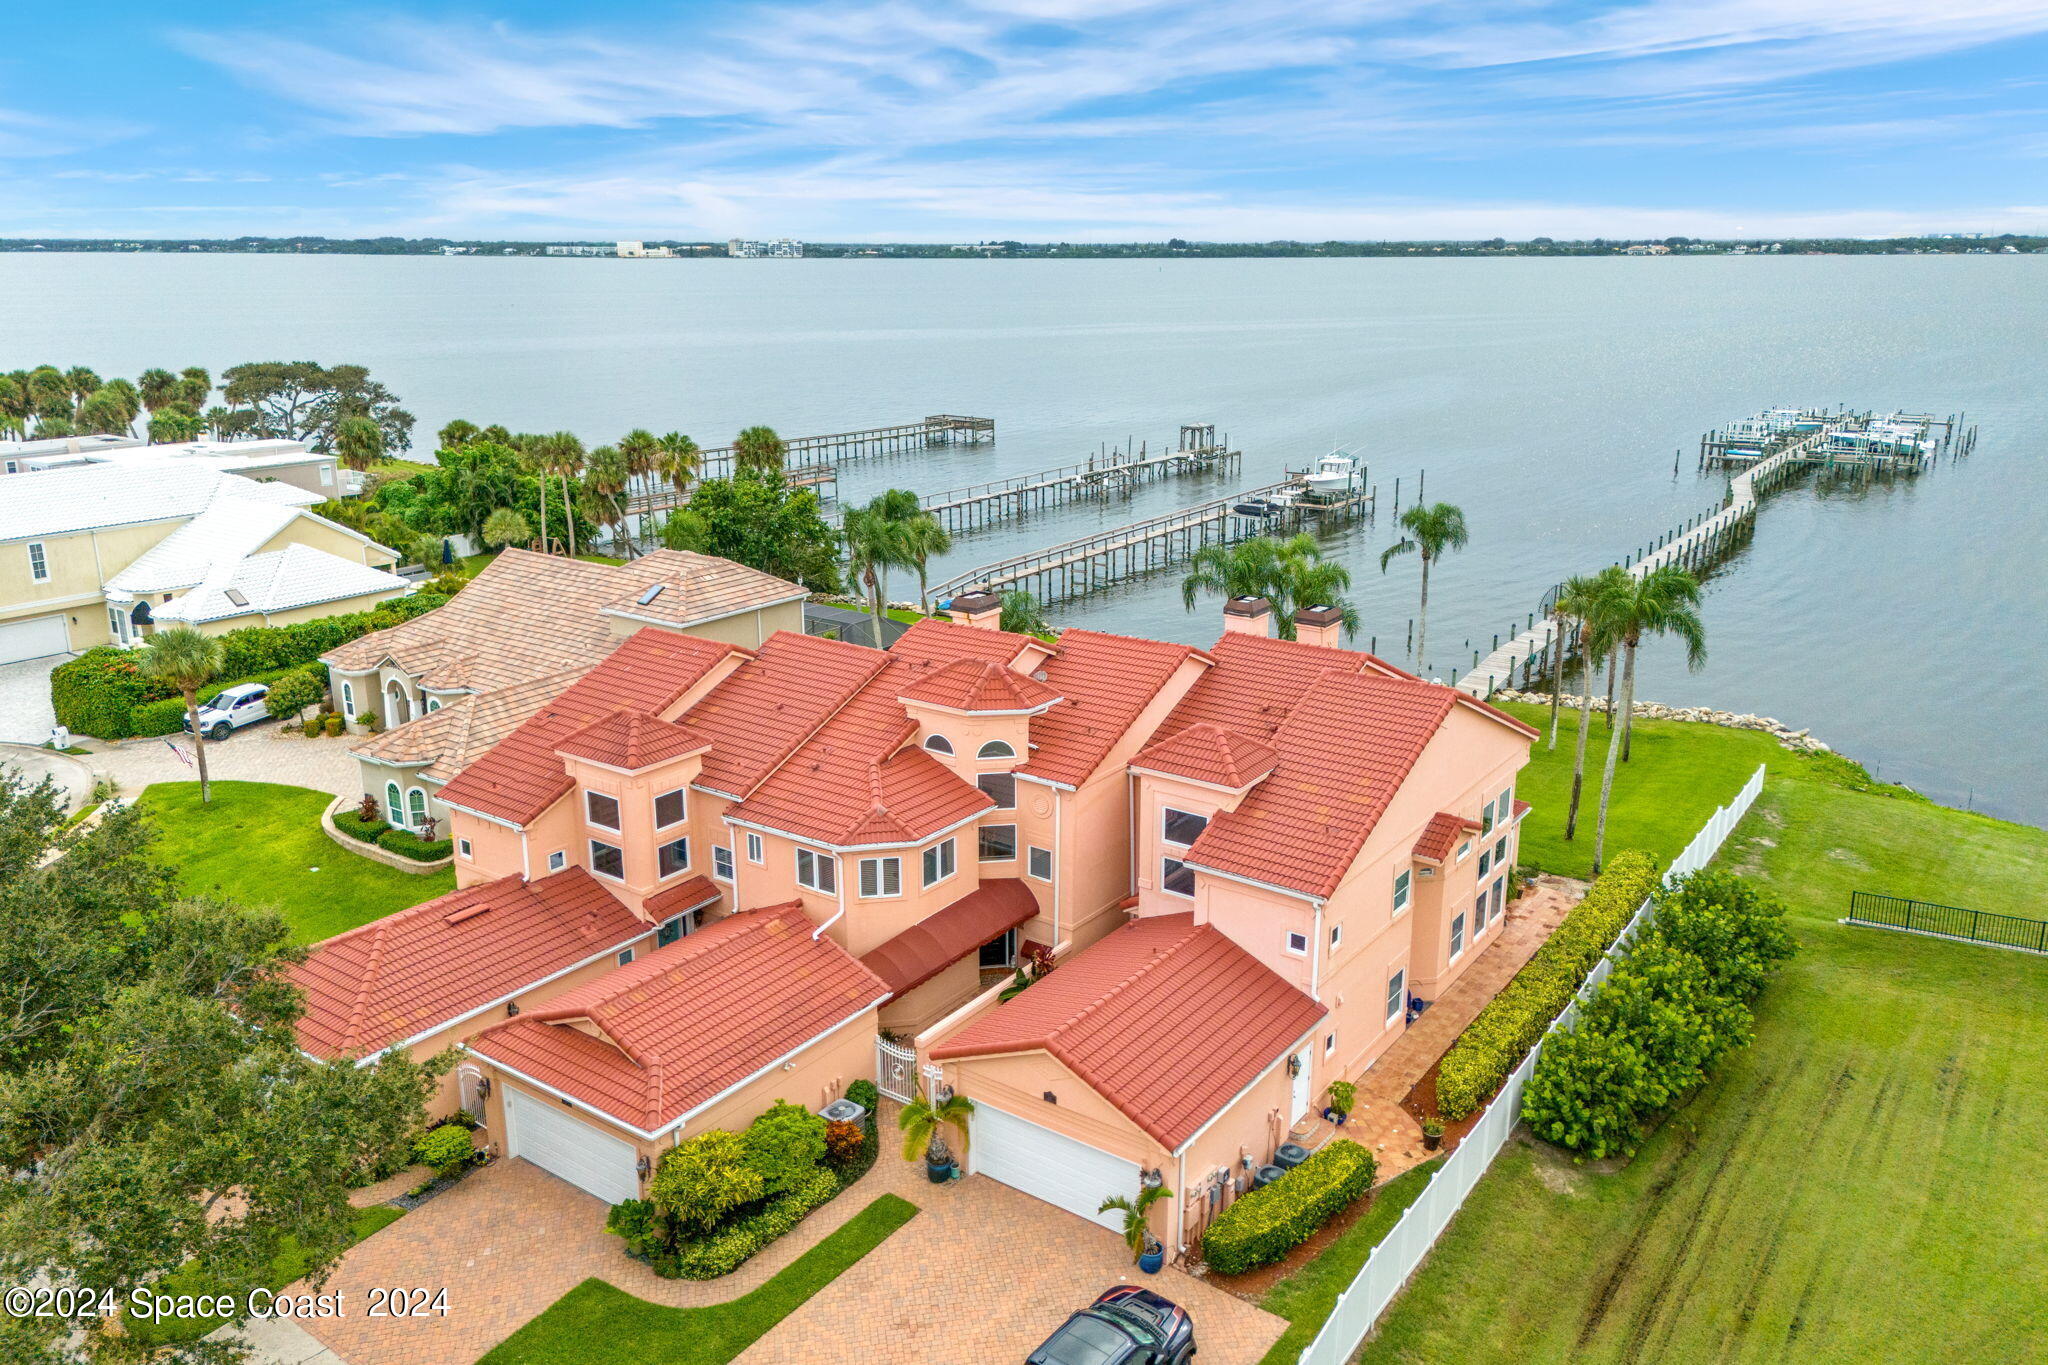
948 120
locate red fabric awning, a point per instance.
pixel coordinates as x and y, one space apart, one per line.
927 948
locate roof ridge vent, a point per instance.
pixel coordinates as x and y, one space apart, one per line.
466 912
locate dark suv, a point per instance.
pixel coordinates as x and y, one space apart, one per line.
1125 1326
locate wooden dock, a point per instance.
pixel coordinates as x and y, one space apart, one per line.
813 461
1115 471
1098 561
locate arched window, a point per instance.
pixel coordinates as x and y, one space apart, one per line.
416 804
348 701
394 808
433 704
995 748
939 744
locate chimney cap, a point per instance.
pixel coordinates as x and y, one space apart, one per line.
1319 616
1247 606
975 600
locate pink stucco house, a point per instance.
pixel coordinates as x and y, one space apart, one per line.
708 875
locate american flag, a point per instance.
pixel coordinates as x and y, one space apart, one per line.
183 757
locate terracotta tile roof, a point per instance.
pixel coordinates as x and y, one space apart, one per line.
689 1021
1442 834
1108 680
933 639
527 614
693 893
937 941
1522 808
632 740
1210 753
1257 680
1345 747
408 973
695 588
981 685
522 775
757 717
456 734
1166 1019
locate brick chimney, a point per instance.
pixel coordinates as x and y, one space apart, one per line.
977 607
1248 615
1319 626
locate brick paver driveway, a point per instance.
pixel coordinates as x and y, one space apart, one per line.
983 1273
264 752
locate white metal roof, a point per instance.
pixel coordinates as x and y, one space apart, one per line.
55 502
277 580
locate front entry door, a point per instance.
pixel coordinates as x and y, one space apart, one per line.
1303 1061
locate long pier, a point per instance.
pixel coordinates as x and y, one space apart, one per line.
978 505
1097 561
825 454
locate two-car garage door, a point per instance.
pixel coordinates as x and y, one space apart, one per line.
1049 1165
35 638
557 1141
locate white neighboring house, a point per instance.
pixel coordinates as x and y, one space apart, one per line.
286 461
103 552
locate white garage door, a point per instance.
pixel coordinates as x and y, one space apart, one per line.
557 1141
1049 1165
32 639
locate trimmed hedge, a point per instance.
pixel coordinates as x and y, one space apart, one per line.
1494 1044
356 827
167 717
98 692
732 1246
1266 1224
406 844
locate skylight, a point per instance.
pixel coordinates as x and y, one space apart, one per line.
235 596
651 593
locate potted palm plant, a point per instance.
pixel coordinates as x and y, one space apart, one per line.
1145 1248
1343 1094
924 1123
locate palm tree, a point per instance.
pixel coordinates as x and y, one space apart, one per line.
171 423
158 387
560 453
84 383
874 542
678 461
1588 597
642 449
126 394
759 449
606 476
1290 574
505 526
359 441
1137 1231
180 657
1574 596
458 433
195 385
1434 530
924 1126
1664 601
923 537
1022 615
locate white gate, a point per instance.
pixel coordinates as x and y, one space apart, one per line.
895 1069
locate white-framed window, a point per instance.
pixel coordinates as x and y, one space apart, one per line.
1336 934
1038 863
394 804
670 808
998 843
938 744
38 562
1001 787
1180 826
326 476
557 860
995 748
754 852
1500 896
433 704
625 956
672 857
817 871
1485 862
1176 878
416 806
1297 944
348 701
721 862
601 810
1500 852
1505 807
939 862
1486 818
1401 890
462 847
607 860
1464 849
1397 995
881 877
1329 1043
1457 935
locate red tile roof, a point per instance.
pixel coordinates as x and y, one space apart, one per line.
937 941
691 894
980 685
1210 753
935 640
1166 1019
523 775
1108 681
1257 680
1442 833
689 1021
411 972
1345 747
757 717
1522 808
632 740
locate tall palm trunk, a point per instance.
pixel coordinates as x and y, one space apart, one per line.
198 744
874 582
1628 692
569 513
1571 817
1612 660
1556 675
1628 722
1422 620
544 512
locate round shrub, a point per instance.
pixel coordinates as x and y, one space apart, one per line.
1266 1224
332 723
293 692
785 1145
843 1142
313 726
447 1148
864 1094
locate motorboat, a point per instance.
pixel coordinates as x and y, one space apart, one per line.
1338 472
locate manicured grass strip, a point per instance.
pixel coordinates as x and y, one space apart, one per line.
1307 1297
599 1324
257 844
288 1265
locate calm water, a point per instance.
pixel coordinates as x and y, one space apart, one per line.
1903 624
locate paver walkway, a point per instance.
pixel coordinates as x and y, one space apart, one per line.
264 752
983 1273
1380 1123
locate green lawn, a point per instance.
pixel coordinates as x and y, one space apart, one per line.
598 1324
260 845
285 1267
1861 1184
1306 1297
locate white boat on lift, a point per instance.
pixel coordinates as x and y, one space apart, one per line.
1340 471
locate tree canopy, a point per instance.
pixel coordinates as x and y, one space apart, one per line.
757 520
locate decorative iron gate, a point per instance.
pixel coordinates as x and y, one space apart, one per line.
896 1069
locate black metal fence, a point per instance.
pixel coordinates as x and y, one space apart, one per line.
1948 921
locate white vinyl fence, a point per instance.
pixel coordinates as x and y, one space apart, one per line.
1401 1253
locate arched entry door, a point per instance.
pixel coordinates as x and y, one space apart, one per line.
397 706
